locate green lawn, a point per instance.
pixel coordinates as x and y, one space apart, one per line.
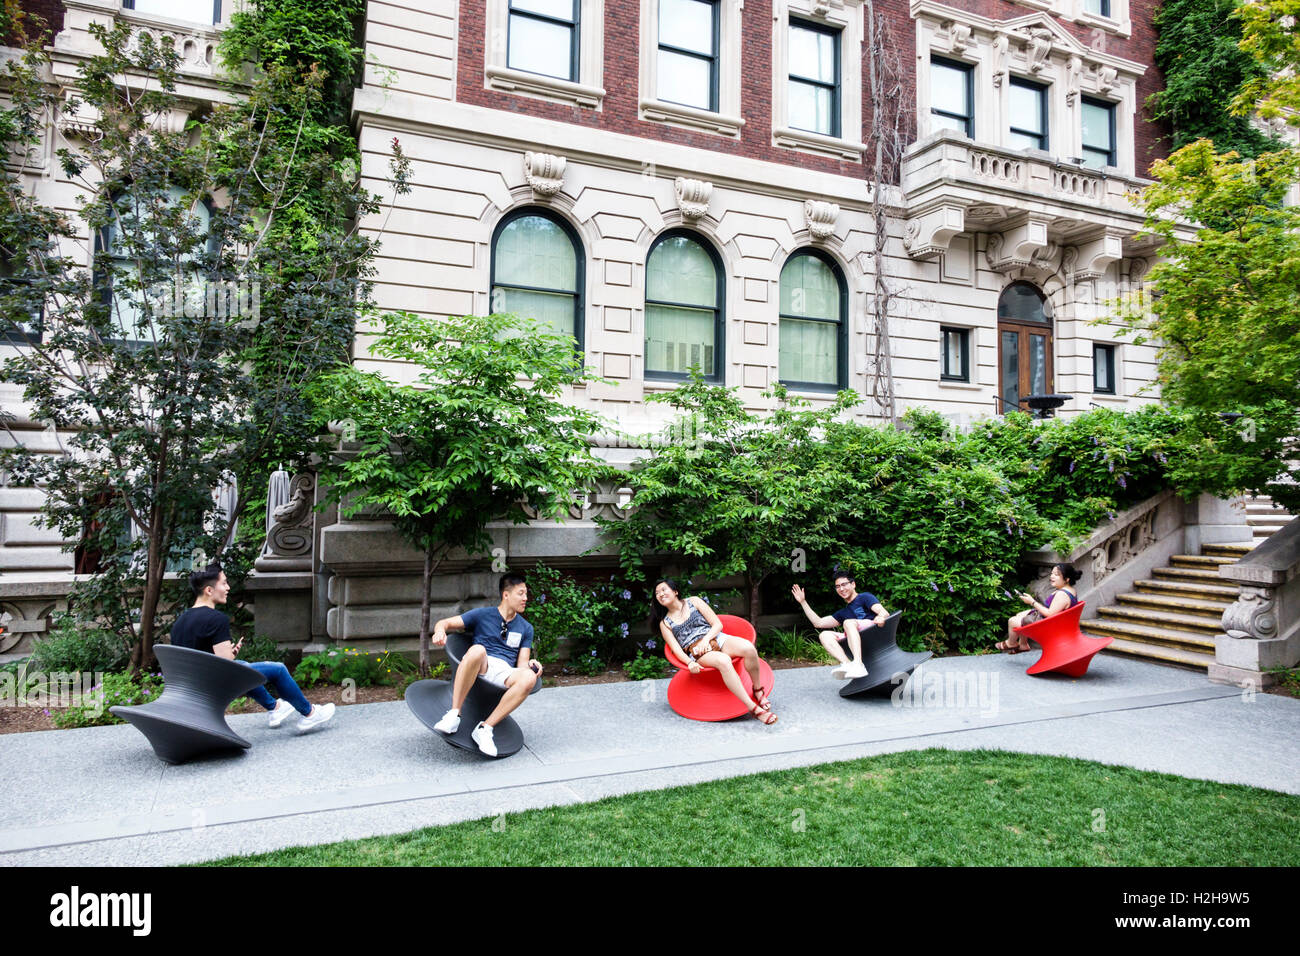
933 807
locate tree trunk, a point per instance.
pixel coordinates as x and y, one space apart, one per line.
424 613
143 658
755 605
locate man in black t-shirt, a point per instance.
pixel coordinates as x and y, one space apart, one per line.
204 628
860 611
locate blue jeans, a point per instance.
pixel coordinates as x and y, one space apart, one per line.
277 675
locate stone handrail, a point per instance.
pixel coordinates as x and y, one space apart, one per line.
1262 627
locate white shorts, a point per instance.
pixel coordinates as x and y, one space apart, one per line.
497 672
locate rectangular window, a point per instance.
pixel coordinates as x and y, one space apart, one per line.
543 38
1098 133
1028 115
195 11
952 96
21 322
955 358
688 53
1098 8
1103 369
814 78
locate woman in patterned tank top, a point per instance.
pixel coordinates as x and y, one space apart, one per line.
1063 598
693 633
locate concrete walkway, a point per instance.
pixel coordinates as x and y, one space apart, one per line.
100 797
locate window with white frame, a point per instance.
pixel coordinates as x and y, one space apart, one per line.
539 48
1098 8
543 37
1029 118
814 89
194 11
1098 119
688 53
952 96
690 64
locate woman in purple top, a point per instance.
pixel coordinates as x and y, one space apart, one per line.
1063 598
693 633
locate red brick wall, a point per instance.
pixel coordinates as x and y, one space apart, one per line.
51 11
622 46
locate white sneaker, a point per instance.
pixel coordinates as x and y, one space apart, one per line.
482 735
450 722
319 715
840 672
283 711
856 669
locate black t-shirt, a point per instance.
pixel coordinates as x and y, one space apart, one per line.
200 628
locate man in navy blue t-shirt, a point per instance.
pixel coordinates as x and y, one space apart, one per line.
503 643
860 611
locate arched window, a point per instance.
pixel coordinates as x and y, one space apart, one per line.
683 308
141 233
537 269
1024 344
814 303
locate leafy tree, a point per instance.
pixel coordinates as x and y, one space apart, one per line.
482 436
1271 33
1226 312
145 359
736 494
1198 52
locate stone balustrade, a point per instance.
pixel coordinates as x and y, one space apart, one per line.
1261 630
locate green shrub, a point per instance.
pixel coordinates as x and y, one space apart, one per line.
75 645
645 667
116 690
338 664
601 620
259 647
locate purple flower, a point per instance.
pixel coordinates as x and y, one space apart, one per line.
1122 482
1110 466
593 652
950 589
935 587
1095 440
1006 592
1071 467
627 595
624 627
600 628
650 645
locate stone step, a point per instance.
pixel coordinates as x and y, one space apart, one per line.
1143 634
1163 619
1199 590
1266 509
1210 561
1229 549
35 559
1177 603
1277 519
1264 531
1167 655
1202 575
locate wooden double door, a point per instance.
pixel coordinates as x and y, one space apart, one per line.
1024 363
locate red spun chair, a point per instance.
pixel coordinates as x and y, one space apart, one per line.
1065 649
704 696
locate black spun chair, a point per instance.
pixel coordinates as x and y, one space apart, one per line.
883 659
430 699
189 717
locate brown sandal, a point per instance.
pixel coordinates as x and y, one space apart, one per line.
760 698
765 716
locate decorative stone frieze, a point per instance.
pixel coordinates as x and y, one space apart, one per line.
289 540
693 196
544 172
608 499
820 217
1253 615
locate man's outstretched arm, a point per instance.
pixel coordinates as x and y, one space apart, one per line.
813 618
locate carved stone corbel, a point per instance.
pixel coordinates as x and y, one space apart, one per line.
820 217
1037 46
693 196
959 37
1000 45
1107 77
1073 77
1091 258
1252 615
1017 246
544 172
930 231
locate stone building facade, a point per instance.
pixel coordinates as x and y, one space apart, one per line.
683 182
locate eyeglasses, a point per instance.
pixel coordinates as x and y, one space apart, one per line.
505 629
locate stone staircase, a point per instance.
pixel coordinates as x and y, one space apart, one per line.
1175 614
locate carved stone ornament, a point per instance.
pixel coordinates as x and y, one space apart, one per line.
1073 76
1253 616
608 499
820 217
1037 46
1045 258
693 196
1123 546
1000 44
1107 77
913 230
959 37
544 172
1137 270
290 535
1070 261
